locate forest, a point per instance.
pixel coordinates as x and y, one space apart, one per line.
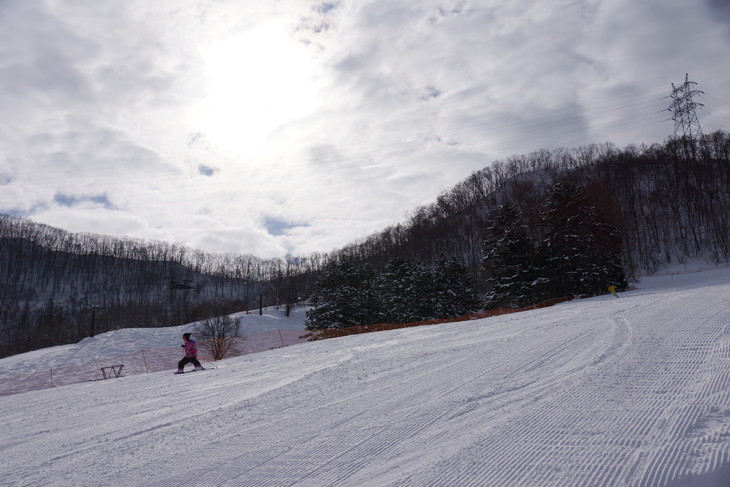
640 207
59 287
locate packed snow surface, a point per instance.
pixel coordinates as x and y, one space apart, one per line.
632 391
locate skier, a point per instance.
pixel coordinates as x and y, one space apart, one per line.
612 290
191 355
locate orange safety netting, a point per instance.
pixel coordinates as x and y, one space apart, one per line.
355 330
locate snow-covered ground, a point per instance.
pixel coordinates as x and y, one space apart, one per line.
130 340
632 391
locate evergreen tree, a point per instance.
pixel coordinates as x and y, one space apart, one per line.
581 251
343 296
406 291
509 257
399 290
453 289
423 292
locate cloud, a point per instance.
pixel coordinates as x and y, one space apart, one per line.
719 9
93 218
226 238
108 104
40 68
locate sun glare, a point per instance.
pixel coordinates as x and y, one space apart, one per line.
256 82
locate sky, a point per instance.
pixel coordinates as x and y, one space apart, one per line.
596 392
299 126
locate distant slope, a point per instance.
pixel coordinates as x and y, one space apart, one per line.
130 340
58 287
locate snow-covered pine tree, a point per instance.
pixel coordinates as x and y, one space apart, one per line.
581 251
343 296
453 289
423 291
399 289
509 256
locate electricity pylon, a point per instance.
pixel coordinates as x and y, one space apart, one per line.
686 123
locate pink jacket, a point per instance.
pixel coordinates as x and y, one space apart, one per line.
191 349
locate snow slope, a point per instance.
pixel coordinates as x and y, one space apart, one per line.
599 392
130 340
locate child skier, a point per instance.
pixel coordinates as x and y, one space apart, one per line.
191 355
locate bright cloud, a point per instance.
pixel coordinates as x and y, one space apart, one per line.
203 122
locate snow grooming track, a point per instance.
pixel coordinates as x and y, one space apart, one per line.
563 443
697 354
446 391
599 392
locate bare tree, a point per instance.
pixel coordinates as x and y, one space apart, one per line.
218 334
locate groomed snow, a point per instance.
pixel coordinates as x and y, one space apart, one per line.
632 391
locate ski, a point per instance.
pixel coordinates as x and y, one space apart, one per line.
188 371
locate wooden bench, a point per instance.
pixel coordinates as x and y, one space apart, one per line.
112 371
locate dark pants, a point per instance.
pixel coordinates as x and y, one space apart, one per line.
188 360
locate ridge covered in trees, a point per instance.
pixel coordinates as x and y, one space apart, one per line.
59 287
571 222
669 202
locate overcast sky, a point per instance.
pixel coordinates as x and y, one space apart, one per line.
268 127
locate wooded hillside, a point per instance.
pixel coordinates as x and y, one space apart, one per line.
58 287
669 202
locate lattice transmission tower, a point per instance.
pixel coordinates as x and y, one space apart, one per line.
686 123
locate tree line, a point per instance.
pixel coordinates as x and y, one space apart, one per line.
574 252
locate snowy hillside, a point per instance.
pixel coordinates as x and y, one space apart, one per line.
632 391
130 340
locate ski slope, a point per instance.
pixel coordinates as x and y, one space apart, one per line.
632 391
